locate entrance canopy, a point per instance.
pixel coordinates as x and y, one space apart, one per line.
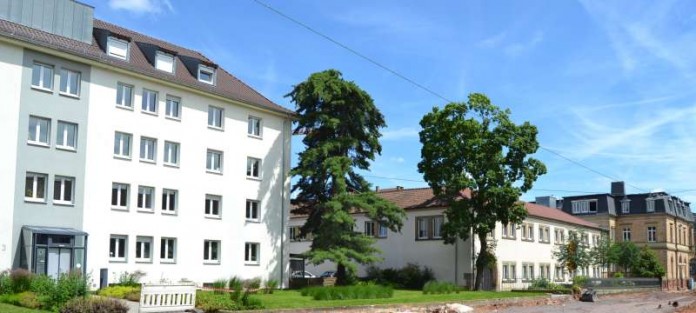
47 230
52 250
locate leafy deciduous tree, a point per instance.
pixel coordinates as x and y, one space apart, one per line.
647 264
624 254
601 253
341 126
474 145
573 254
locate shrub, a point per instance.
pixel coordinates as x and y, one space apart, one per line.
436 287
219 285
130 279
252 284
68 286
119 292
368 291
93 305
5 283
29 300
618 275
43 285
235 283
211 302
271 285
580 280
12 299
21 280
542 283
412 276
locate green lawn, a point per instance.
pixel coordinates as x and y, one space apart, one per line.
7 308
291 299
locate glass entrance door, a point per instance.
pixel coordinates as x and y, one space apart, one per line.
59 261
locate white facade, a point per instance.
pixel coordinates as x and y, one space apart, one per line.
182 237
455 262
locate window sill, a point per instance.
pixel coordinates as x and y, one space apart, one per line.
69 95
147 211
149 112
510 238
169 213
527 240
213 217
66 148
172 118
143 261
38 144
37 201
214 172
153 162
253 221
167 261
211 262
259 137
252 263
170 165
121 157
121 209
123 107
254 178
220 129
118 261
65 204
42 89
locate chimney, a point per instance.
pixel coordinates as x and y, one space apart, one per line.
399 187
549 201
67 18
376 188
618 189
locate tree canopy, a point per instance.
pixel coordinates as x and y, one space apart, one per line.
475 145
574 253
341 127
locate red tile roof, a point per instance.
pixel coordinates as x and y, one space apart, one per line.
227 85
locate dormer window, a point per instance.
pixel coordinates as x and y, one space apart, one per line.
117 48
164 62
206 74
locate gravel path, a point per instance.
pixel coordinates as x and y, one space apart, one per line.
629 303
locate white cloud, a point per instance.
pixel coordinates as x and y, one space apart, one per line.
397 159
519 48
401 133
142 6
493 41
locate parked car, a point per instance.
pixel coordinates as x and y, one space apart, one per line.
328 274
298 274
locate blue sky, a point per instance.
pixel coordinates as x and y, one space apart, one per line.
608 84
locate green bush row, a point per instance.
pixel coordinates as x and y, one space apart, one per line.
412 276
121 292
21 287
94 305
212 302
365 291
439 287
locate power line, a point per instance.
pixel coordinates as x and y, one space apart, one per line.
409 80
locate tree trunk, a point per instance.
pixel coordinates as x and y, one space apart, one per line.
481 261
341 275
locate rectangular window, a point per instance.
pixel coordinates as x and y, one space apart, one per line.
544 235
251 252
383 231
35 187
63 190
369 228
211 251
171 153
206 74
148 149
509 271
527 271
527 232
149 103
69 82
173 108
509 231
39 130
214 161
295 233
560 236
117 48
168 250
143 249
118 248
652 234
169 201
422 228
437 227
625 206
119 195
254 126
558 273
164 62
584 206
122 145
215 117
429 227
252 210
66 138
124 95
42 76
146 198
626 234
253 168
212 206
650 205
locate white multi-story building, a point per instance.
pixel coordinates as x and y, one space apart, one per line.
524 252
125 153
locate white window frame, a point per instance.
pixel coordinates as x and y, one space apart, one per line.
42 84
122 151
120 241
165 62
252 253
422 225
250 210
583 206
148 149
209 258
67 77
626 233
253 164
652 234
208 69
146 198
382 231
210 164
38 130
216 115
126 100
140 248
172 113
149 105
437 222
35 187
62 190
114 47
171 151
120 187
209 211
650 205
254 127
626 206
63 138
169 196
165 248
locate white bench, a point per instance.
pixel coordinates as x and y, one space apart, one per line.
167 297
